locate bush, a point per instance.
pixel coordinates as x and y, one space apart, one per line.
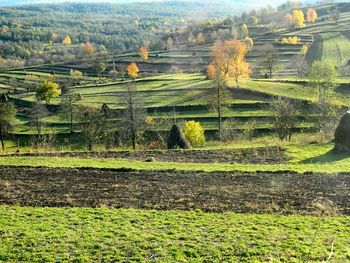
291 40
194 133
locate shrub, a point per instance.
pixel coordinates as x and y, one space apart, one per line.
194 133
177 139
290 41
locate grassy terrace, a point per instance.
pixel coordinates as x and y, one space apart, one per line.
90 235
309 158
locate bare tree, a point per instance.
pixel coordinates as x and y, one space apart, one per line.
7 120
285 117
37 113
69 108
134 117
269 59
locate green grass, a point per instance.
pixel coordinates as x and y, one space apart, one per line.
128 235
308 158
336 48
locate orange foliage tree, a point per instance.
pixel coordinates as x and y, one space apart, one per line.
89 48
144 53
230 58
289 19
311 15
200 39
133 71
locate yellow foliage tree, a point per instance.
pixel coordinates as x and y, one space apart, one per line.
133 70
311 15
144 53
76 73
89 48
298 18
244 31
67 40
249 42
47 90
304 49
194 133
200 39
230 59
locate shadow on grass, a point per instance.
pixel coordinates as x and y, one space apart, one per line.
328 157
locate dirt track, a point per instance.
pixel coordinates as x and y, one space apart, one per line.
254 193
261 155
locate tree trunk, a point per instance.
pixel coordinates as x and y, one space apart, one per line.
219 111
2 142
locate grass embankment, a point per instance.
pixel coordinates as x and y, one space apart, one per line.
317 158
91 235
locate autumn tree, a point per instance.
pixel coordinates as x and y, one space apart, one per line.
211 71
67 40
133 70
248 41
244 31
47 90
269 59
200 39
311 15
88 48
76 74
298 18
7 120
230 58
144 53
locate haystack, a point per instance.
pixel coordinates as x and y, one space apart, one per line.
177 139
342 134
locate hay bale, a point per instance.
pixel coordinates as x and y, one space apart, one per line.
177 139
342 134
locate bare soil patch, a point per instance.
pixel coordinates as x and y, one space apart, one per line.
262 192
262 155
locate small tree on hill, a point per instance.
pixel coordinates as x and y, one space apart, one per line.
88 48
37 114
194 133
322 76
311 15
67 41
200 39
133 71
244 31
47 90
252 21
134 117
69 108
298 18
285 117
101 68
7 120
144 53
269 59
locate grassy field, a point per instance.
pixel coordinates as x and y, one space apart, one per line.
90 235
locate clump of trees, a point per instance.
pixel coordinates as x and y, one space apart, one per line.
290 40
